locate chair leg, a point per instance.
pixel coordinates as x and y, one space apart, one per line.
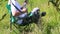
10 26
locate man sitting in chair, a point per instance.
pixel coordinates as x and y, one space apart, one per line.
17 10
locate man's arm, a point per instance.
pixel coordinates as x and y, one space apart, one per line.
23 10
17 13
25 3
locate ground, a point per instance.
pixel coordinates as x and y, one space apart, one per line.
50 24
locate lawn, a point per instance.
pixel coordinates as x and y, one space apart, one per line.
50 24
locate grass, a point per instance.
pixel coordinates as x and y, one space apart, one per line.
50 23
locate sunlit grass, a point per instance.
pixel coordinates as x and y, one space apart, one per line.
50 23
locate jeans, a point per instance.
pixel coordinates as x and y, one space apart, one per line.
20 18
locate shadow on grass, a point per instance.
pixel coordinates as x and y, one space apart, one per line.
3 17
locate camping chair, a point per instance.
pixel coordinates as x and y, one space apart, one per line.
12 18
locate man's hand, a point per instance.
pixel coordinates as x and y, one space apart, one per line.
24 10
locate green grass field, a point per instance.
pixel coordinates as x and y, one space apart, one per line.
50 23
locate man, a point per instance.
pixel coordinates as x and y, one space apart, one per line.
15 12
